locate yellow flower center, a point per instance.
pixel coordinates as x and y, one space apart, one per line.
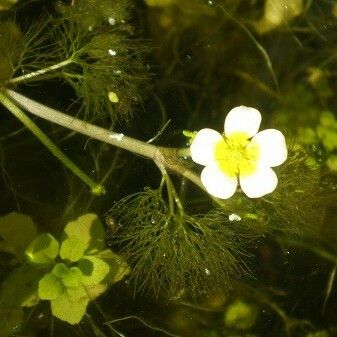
236 155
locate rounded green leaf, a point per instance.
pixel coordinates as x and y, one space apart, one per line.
73 278
329 139
59 270
16 232
71 305
118 267
327 119
332 162
70 277
93 269
95 291
72 249
307 135
43 249
241 315
50 287
88 229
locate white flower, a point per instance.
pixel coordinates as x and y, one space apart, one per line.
241 155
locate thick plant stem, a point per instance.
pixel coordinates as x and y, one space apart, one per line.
40 72
19 114
168 157
184 152
93 131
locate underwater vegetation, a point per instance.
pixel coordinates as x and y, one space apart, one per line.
168 168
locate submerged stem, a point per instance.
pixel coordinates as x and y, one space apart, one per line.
175 196
167 157
184 152
169 191
172 194
96 189
39 72
93 131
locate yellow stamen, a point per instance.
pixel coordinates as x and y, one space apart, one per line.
237 155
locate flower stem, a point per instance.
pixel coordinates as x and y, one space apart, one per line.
184 152
39 72
93 131
96 189
171 191
167 157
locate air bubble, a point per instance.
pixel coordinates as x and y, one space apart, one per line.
113 97
112 21
234 217
117 136
112 52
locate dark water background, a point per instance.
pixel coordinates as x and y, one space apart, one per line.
201 64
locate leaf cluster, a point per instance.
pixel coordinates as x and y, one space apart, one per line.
25 51
323 135
107 58
69 273
178 254
101 53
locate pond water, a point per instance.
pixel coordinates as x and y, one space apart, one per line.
119 217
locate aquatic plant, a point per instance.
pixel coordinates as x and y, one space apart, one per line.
95 54
177 254
324 137
189 235
70 272
241 315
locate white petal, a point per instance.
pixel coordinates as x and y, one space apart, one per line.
243 119
217 183
262 182
203 146
272 147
